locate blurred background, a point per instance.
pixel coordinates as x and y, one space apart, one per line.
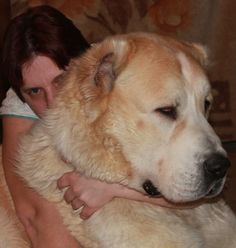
209 22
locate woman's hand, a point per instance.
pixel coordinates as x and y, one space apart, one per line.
85 192
93 194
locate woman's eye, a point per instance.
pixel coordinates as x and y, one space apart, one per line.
207 105
170 112
34 91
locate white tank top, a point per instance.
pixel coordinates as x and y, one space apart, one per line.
13 106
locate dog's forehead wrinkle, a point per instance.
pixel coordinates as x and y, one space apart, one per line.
148 91
194 106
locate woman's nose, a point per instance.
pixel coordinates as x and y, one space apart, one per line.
51 93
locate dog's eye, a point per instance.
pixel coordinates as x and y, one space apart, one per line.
207 105
170 112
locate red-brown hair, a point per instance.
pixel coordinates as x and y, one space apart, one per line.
40 30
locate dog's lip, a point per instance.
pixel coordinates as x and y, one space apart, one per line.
214 189
152 190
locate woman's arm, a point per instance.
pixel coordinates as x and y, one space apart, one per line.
42 222
93 194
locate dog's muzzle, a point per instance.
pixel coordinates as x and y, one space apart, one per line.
151 189
215 168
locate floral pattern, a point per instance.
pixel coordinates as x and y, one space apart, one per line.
171 17
99 18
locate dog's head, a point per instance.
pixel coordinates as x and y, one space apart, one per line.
149 94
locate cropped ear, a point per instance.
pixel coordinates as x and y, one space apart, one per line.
199 52
110 57
105 73
94 74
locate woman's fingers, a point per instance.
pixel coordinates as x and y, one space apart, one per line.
69 195
67 179
85 193
77 203
87 212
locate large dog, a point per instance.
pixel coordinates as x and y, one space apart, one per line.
133 110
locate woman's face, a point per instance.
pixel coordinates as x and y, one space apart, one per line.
39 87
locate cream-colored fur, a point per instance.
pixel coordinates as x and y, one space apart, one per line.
131 110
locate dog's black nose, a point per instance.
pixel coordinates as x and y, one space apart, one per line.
150 188
216 166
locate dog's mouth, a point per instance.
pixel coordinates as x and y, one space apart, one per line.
153 191
150 189
215 189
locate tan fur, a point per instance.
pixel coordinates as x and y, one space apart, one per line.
106 122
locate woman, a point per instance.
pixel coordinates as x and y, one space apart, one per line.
37 48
